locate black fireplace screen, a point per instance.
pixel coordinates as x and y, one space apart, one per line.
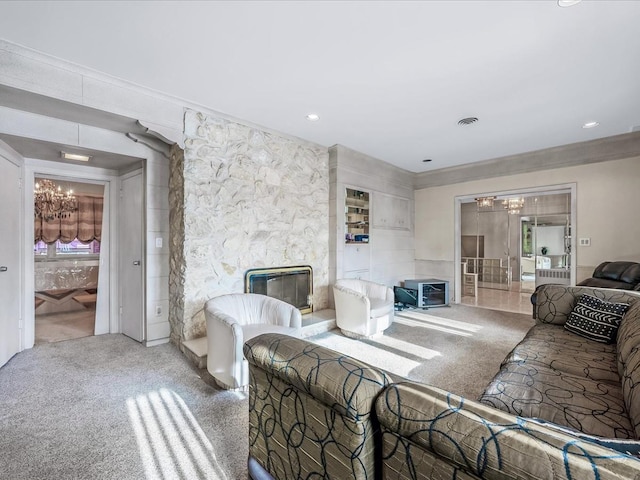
293 285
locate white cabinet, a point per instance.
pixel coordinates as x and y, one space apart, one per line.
356 257
391 212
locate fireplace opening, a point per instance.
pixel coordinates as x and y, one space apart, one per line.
293 285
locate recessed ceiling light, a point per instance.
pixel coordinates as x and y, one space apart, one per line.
568 3
313 117
467 121
590 125
75 156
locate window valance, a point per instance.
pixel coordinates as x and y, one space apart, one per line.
85 224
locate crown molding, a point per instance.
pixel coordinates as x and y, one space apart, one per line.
617 147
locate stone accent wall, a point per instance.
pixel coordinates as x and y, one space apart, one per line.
250 199
176 245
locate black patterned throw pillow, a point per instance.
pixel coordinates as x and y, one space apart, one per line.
596 319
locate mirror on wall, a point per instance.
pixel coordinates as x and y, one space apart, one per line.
545 245
522 246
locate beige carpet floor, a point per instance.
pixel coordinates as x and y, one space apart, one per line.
105 407
457 348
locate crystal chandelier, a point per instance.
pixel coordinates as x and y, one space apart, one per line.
51 202
485 202
513 205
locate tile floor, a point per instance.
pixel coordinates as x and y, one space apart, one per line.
517 300
56 327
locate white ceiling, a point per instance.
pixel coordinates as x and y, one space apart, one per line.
389 79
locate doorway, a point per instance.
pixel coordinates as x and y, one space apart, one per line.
68 226
522 239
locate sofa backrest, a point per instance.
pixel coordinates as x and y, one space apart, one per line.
555 302
310 409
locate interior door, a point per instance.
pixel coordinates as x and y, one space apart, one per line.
131 265
10 278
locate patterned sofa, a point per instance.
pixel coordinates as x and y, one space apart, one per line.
317 414
570 381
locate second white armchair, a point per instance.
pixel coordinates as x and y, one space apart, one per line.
363 308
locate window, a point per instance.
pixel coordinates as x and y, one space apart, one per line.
58 250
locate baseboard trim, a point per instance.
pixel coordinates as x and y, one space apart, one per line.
153 343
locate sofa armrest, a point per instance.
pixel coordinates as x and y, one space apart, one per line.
429 429
340 382
311 410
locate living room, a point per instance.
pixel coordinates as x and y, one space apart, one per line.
279 199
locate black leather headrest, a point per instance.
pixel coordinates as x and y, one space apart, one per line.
632 274
618 271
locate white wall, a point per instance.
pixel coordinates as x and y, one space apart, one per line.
607 198
157 248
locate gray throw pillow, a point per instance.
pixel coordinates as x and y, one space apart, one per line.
596 319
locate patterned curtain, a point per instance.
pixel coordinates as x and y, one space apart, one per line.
86 220
85 224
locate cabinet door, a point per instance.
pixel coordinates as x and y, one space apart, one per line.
391 212
356 257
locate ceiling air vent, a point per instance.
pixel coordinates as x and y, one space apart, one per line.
468 121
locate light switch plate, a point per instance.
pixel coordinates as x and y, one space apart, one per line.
158 242
585 242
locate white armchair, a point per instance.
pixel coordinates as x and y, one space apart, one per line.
363 308
235 318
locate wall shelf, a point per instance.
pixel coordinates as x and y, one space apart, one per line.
356 213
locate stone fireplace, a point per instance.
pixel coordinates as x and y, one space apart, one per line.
293 285
236 204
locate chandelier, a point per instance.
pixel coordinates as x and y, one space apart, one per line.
485 202
513 205
51 202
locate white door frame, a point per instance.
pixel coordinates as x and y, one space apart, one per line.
542 190
108 255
